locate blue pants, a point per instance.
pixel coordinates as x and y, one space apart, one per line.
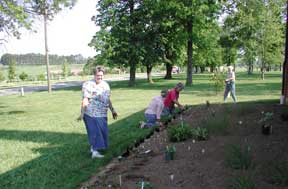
167 111
230 87
151 120
97 131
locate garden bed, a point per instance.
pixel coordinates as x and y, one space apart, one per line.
209 163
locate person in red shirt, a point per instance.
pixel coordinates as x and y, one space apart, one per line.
172 99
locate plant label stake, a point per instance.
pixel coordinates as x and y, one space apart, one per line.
171 178
22 91
142 184
181 119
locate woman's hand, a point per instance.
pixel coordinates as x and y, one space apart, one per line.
114 114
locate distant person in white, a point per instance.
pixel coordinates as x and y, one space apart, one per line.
230 85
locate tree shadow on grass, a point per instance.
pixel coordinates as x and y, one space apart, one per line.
12 112
64 160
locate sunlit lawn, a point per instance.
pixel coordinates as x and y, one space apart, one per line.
42 146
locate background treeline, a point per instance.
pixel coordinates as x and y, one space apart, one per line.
38 59
191 33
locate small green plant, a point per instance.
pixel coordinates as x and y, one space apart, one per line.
200 133
23 76
170 152
276 172
170 149
216 124
166 118
177 133
242 182
218 81
145 185
266 118
239 158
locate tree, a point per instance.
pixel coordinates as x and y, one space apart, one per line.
47 9
12 17
15 14
66 70
12 70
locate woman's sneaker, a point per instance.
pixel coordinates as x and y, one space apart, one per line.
96 154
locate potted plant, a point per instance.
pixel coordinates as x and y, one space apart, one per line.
170 152
266 122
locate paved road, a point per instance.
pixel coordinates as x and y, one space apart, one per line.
60 85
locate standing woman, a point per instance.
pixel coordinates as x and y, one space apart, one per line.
230 84
95 104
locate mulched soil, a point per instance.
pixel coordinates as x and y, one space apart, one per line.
202 164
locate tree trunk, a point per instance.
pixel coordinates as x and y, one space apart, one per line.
132 60
250 68
47 53
202 68
189 53
168 71
149 73
211 69
132 74
262 71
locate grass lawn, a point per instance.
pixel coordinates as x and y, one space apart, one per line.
42 146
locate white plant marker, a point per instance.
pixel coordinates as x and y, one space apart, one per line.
120 180
22 91
203 151
142 184
189 148
193 141
172 177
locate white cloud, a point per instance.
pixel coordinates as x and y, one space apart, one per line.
68 33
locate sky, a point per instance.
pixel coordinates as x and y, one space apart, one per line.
68 33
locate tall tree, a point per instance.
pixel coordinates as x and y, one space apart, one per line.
12 17
47 9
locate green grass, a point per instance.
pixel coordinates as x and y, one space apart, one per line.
42 146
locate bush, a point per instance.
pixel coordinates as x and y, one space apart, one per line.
242 182
23 76
177 133
199 133
41 77
2 77
239 158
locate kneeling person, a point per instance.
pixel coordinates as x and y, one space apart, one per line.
154 110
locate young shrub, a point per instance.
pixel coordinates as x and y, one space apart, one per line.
242 182
200 133
177 133
41 77
218 82
239 158
12 70
23 76
216 125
